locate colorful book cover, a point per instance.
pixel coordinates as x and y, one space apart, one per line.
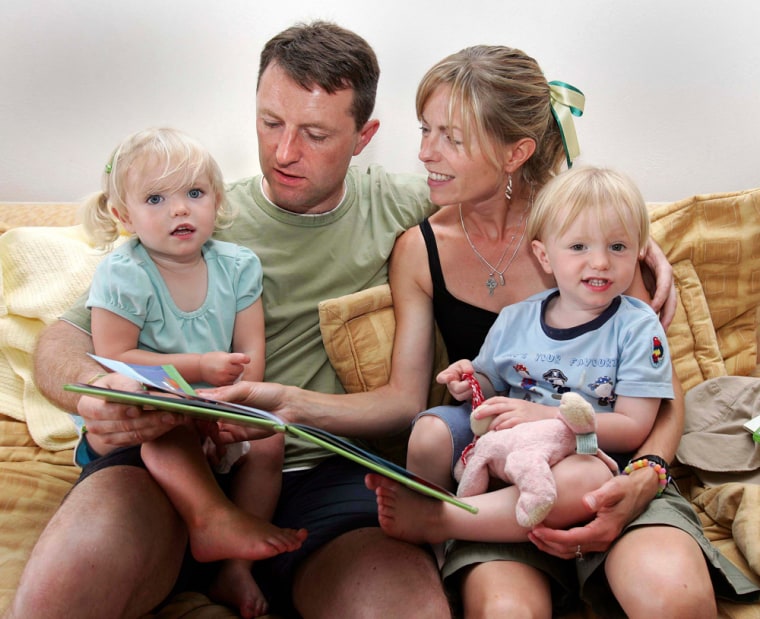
177 396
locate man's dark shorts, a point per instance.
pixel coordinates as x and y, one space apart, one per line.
327 500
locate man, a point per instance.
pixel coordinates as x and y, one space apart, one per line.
322 230
115 547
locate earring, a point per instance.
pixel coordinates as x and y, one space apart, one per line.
508 190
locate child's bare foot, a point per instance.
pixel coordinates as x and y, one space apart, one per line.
407 515
231 533
234 585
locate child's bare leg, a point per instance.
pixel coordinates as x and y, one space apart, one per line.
575 476
235 586
218 529
415 518
255 489
430 451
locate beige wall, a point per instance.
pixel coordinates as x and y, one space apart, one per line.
673 86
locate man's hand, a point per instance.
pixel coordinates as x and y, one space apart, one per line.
615 503
111 424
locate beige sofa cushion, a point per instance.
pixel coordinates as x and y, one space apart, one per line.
719 234
17 214
693 343
357 331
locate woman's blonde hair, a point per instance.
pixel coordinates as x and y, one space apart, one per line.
183 159
606 193
501 96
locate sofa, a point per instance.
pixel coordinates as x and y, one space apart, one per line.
713 242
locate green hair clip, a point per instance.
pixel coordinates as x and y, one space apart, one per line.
109 167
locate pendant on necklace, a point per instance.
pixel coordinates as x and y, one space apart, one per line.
491 285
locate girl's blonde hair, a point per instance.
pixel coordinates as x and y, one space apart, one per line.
501 96
606 193
183 159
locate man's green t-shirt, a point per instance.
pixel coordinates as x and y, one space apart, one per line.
309 258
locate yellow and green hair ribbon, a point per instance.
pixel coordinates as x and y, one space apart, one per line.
567 101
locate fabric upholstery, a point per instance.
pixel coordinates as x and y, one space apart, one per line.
720 235
694 347
357 331
14 215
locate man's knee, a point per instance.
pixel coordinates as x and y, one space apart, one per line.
396 579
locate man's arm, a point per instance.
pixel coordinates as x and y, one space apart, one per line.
52 369
109 424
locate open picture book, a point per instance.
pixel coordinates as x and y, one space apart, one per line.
165 389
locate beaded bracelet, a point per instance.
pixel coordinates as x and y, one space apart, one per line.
658 464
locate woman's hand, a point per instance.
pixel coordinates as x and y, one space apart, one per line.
613 505
664 297
270 397
266 396
113 424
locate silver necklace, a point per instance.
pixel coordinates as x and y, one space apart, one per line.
493 271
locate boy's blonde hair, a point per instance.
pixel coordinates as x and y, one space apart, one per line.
183 159
606 193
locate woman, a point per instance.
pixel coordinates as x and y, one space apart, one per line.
489 142
476 251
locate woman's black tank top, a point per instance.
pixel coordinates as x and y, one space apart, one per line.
462 326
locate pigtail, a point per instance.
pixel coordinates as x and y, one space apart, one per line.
98 221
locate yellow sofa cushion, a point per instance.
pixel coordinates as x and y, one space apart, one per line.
719 235
693 343
357 331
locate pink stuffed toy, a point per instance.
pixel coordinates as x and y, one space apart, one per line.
523 455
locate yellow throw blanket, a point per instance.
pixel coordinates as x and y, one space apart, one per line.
43 270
